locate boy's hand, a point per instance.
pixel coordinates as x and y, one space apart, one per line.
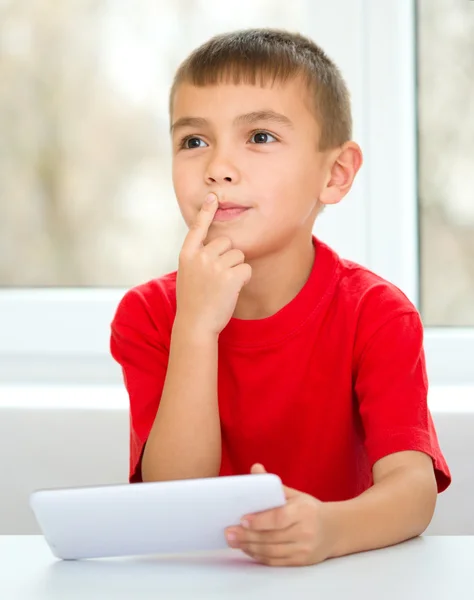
296 534
210 277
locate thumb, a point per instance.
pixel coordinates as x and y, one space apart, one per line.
257 469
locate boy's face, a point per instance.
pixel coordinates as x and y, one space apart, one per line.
255 147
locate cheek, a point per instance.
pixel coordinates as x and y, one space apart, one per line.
272 187
181 179
284 195
300 189
185 190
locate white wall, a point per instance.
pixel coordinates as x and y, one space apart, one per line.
53 437
57 437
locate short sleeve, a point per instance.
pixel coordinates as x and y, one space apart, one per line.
136 344
391 387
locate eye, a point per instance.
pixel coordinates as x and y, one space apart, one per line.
262 137
190 142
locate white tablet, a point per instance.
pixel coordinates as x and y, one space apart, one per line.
150 518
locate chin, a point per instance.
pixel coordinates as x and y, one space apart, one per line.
243 240
254 244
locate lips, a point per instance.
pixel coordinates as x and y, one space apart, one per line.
228 211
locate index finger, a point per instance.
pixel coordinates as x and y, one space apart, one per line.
198 230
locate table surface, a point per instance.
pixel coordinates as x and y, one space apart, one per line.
426 567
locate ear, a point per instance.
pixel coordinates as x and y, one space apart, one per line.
345 162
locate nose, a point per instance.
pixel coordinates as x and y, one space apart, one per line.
221 169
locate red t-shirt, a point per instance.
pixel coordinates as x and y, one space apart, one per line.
317 392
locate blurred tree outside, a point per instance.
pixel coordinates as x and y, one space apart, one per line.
446 154
85 197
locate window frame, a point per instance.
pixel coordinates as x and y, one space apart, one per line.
393 215
38 324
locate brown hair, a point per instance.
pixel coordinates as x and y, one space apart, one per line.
258 55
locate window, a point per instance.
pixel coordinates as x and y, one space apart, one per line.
85 188
446 172
393 210
86 204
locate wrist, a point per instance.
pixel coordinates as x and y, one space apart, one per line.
336 534
193 332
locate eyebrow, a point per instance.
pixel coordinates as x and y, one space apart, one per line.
246 119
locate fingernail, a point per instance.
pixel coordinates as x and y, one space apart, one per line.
211 198
245 523
231 539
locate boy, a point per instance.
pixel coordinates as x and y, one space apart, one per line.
266 350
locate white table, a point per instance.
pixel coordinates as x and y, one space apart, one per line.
433 568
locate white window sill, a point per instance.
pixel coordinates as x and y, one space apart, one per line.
74 397
442 399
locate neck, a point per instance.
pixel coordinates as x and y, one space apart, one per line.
277 278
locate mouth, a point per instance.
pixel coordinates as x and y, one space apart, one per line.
229 212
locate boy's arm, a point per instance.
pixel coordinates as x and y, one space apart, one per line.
185 440
399 506
306 531
408 467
